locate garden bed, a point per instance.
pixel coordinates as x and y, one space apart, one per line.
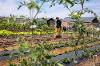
90 62
7 43
56 47
56 58
11 42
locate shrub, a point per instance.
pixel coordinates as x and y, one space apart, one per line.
13 27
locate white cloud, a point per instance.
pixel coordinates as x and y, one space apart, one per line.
8 7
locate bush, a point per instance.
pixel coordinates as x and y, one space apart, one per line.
13 27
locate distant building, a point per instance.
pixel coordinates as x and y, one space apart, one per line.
84 19
87 20
96 22
51 22
20 20
66 23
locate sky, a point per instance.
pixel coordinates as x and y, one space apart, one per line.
8 7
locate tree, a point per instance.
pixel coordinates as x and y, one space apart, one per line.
31 5
76 15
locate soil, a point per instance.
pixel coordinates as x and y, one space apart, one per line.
11 42
6 42
58 51
15 61
95 61
88 62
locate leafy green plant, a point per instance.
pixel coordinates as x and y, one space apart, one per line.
24 47
88 53
39 55
66 60
5 33
11 64
14 26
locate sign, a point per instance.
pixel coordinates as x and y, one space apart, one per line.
97 29
33 26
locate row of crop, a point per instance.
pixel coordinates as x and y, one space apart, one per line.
70 43
40 53
85 55
10 33
13 27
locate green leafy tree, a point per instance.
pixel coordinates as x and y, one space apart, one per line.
76 15
31 4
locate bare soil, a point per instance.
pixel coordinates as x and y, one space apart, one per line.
91 62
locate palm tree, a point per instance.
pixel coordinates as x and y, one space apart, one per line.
31 5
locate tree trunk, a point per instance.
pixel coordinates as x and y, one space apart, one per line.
79 37
38 10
